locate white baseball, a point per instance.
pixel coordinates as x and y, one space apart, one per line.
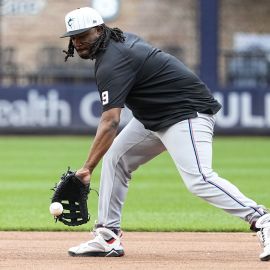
56 209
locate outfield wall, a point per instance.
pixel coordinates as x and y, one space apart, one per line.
61 109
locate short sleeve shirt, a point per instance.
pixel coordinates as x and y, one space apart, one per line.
158 88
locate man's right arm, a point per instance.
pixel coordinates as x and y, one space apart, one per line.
106 132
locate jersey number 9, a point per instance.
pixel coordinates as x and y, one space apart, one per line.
105 97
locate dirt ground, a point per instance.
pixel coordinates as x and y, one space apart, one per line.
48 250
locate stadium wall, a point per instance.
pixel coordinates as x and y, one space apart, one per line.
61 109
163 23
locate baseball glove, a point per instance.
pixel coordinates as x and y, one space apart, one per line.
73 195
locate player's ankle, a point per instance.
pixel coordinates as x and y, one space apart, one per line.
115 230
253 226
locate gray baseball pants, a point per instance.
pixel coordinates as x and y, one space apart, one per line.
189 143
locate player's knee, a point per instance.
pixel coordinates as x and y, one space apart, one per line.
194 188
198 183
113 154
115 160
117 157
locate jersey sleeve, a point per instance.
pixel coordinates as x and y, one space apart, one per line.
115 77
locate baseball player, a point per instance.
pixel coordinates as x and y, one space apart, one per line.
173 111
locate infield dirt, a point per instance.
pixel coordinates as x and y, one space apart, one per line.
48 250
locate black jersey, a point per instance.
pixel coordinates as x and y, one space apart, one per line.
158 88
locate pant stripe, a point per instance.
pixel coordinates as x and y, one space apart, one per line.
205 178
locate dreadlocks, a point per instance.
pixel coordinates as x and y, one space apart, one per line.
101 43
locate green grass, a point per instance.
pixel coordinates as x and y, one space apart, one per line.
157 198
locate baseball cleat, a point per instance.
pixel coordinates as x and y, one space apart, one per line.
105 244
263 223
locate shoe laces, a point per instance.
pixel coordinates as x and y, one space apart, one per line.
265 236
